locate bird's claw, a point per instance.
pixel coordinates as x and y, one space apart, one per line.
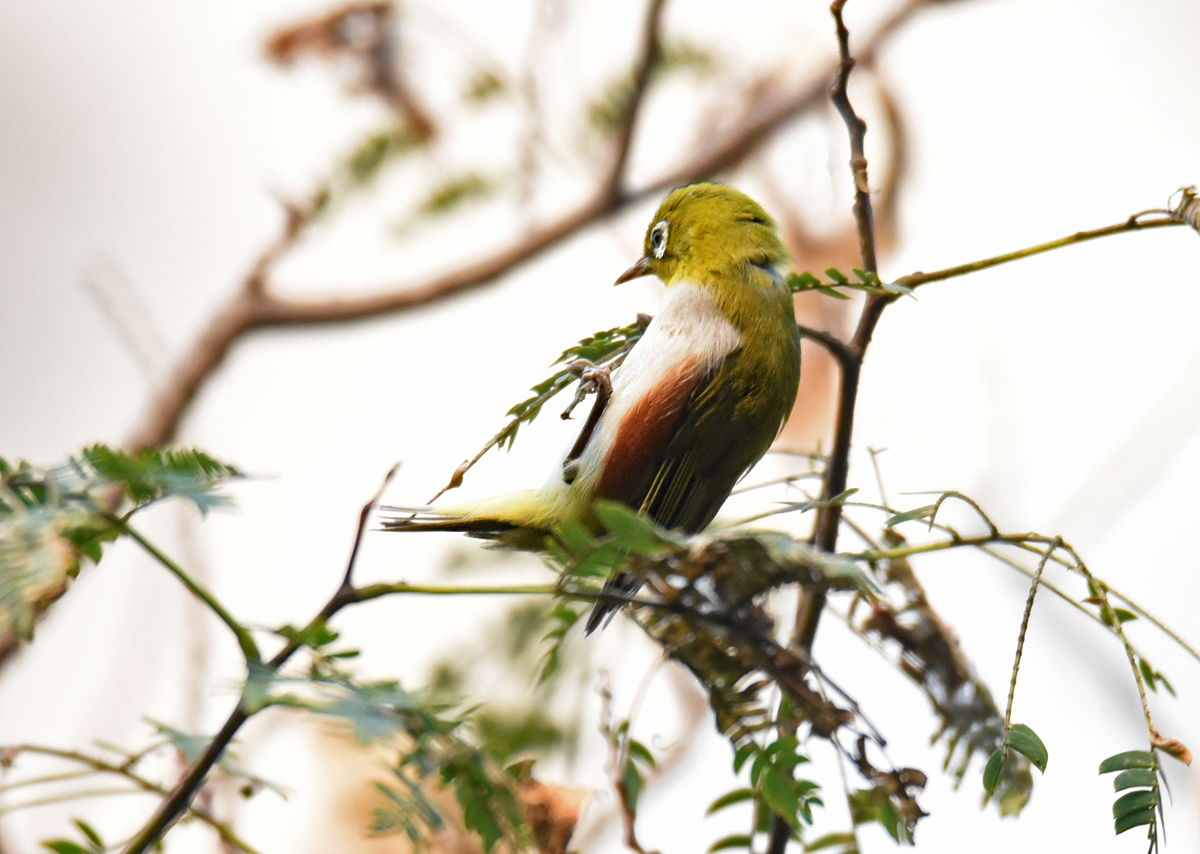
592 378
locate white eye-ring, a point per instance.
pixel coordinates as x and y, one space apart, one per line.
658 238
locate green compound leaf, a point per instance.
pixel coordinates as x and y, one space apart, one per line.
1135 802
743 753
1134 819
1026 742
64 846
633 783
728 799
779 795
633 532
1128 759
93 838
991 771
602 348
847 842
642 754
908 515
1135 778
802 282
1153 677
727 843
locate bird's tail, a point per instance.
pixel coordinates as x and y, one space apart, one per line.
503 532
428 519
617 592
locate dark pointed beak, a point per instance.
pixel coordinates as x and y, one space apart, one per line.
641 268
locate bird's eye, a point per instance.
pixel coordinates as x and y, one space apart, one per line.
658 238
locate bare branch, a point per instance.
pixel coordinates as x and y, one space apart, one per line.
858 131
834 345
837 471
363 516
128 314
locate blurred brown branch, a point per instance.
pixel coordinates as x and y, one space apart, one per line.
364 33
255 306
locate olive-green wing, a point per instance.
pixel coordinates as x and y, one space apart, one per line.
726 429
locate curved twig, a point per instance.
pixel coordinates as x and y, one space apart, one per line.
143 784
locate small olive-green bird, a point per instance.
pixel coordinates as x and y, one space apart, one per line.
697 401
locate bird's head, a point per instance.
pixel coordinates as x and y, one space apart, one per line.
705 233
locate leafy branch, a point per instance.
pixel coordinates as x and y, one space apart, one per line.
603 349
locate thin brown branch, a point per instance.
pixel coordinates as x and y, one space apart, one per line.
832 344
647 53
367 32
812 601
857 128
363 516
837 471
253 307
386 77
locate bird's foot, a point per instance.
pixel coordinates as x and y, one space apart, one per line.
593 378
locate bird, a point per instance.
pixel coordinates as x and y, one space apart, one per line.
697 401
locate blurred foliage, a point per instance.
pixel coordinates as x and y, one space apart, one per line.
366 161
699 603
607 113
53 519
528 715
774 790
484 86
92 843
449 197
429 731
702 599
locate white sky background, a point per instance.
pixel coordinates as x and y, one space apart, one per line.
1061 392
